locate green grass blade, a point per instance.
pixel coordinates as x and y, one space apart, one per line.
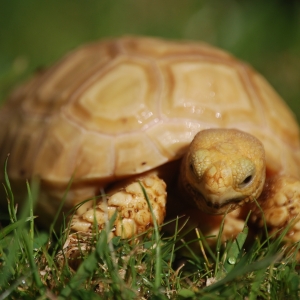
32 191
158 262
59 210
85 270
11 227
10 196
32 264
235 250
241 270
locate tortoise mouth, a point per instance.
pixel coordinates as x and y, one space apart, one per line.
214 207
224 203
225 207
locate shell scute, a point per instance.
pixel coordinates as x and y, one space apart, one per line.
128 105
275 109
117 99
208 92
136 153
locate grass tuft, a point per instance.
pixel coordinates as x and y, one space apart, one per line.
33 264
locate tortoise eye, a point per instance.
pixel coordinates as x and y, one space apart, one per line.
192 167
246 181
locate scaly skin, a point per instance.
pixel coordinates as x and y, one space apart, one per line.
222 170
215 176
280 202
133 214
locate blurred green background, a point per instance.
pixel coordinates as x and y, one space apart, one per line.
266 33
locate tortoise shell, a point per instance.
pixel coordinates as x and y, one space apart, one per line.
123 106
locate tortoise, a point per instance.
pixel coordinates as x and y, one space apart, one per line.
202 132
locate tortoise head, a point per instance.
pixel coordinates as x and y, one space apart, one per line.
223 169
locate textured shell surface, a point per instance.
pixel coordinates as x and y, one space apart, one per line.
124 106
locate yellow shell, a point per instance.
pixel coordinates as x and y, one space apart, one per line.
123 106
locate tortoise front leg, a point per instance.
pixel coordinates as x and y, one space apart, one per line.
280 203
133 215
128 204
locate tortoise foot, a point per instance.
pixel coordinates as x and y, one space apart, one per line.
280 203
133 214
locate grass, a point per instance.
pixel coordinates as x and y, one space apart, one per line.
33 264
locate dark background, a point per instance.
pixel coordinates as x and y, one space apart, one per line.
266 33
